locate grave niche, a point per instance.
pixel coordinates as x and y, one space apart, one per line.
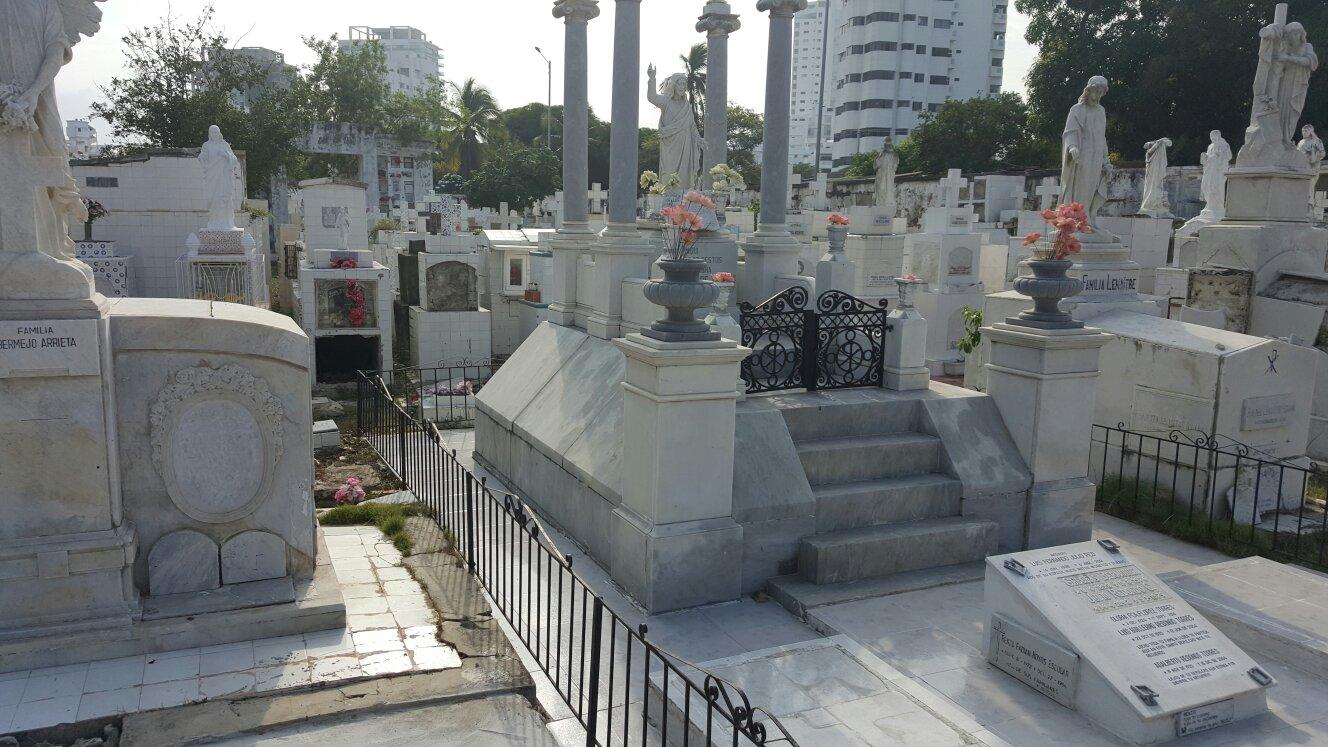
452 286
346 304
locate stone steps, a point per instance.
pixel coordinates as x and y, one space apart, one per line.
832 461
860 419
887 501
882 550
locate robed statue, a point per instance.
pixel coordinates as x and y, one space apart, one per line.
680 144
1155 203
220 167
37 39
887 166
1085 165
1281 85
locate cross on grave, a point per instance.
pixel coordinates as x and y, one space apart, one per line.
599 197
951 186
29 172
1048 194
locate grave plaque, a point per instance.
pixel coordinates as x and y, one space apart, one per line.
1262 413
49 348
451 286
1087 627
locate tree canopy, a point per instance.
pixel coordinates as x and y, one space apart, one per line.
516 174
975 135
1177 68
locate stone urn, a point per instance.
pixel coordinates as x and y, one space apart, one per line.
722 296
1047 286
906 286
836 237
681 292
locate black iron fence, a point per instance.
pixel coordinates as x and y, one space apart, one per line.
839 344
1213 491
438 394
621 687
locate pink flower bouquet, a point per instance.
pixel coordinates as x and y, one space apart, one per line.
1068 219
723 277
837 219
351 492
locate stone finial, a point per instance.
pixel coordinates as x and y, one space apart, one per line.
718 19
576 11
781 7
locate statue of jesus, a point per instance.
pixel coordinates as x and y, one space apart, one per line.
680 145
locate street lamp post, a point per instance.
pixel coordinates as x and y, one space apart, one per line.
548 112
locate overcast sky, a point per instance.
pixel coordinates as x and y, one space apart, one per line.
493 41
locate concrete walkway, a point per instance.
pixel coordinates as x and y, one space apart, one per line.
921 646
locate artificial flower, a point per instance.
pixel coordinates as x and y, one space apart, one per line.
837 219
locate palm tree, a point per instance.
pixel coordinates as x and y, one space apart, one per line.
694 65
472 119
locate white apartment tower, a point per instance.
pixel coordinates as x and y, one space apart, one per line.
805 88
412 60
82 138
892 60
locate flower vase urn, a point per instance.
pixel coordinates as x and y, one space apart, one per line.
836 237
681 292
1047 286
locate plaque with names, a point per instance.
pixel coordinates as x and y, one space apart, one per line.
66 347
1153 649
1263 413
1206 717
1041 664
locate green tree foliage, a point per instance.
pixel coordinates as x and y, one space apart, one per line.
526 125
472 120
648 149
346 85
694 67
1177 68
746 131
805 170
516 174
975 135
181 80
863 165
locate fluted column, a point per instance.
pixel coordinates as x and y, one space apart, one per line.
574 235
778 72
717 22
772 251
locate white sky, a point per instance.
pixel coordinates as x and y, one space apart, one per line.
492 41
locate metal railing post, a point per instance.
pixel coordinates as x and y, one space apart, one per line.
470 522
592 691
401 445
811 350
361 386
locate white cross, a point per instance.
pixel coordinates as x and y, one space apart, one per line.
30 172
951 186
1048 194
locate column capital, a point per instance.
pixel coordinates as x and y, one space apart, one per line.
718 19
778 8
576 11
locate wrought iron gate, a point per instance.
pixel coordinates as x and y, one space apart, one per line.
839 344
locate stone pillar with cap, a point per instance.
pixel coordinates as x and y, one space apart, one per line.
574 235
772 251
717 22
1042 375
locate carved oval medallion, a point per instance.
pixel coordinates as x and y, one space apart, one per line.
216 440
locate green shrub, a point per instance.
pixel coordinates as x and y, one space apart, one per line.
390 518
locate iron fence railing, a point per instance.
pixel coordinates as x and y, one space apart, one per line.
619 685
438 394
1215 491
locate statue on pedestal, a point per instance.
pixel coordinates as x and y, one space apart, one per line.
1216 162
1314 150
220 166
680 144
1085 165
1281 84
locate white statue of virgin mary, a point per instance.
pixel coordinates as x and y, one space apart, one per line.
219 169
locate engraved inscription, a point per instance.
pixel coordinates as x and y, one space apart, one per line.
1037 662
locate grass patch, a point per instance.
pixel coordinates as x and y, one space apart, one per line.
390 518
1156 508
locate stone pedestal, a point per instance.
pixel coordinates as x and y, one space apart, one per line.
770 254
674 541
835 271
621 252
906 346
1044 383
879 260
568 246
1268 194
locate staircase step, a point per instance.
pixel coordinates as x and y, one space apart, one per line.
862 419
856 458
889 501
803 597
870 552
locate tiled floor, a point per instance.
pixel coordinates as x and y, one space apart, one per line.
390 629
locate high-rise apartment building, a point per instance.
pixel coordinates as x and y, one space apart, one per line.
412 60
805 88
891 60
82 138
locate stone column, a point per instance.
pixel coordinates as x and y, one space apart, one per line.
1044 382
717 22
772 251
621 252
905 353
574 235
674 542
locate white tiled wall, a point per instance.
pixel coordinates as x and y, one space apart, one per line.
449 337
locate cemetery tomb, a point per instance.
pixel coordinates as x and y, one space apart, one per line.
339 357
947 256
345 302
1093 631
